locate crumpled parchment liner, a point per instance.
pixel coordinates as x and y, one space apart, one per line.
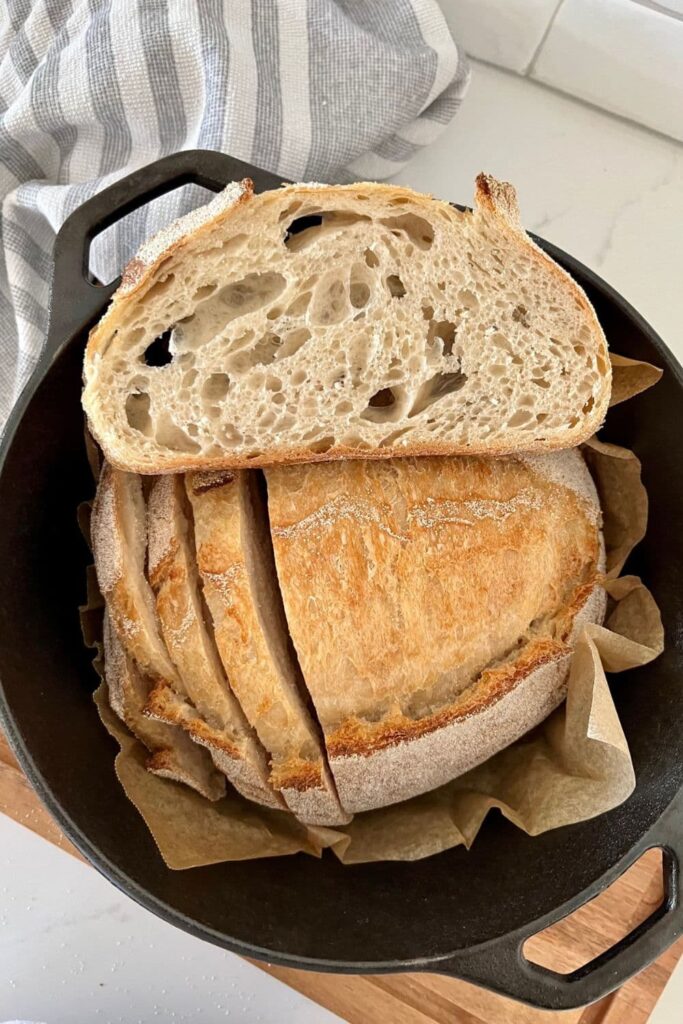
575 765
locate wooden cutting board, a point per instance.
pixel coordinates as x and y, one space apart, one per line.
431 999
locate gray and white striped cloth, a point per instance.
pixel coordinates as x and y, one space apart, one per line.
327 90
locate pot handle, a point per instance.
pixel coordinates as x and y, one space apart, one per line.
501 966
76 301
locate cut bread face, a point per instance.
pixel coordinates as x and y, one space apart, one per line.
433 604
325 322
118 529
213 718
173 755
240 586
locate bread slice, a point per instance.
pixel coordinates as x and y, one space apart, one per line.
323 322
118 530
433 604
214 718
240 586
173 755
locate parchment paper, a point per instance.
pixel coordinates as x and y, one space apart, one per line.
574 766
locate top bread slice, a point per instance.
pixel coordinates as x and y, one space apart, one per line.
324 322
173 755
214 718
240 585
433 604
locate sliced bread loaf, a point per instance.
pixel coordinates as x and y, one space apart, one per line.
325 322
173 755
433 604
240 585
214 718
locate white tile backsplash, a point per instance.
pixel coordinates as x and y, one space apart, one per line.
503 32
620 55
623 55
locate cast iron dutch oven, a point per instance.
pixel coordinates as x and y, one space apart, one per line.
458 913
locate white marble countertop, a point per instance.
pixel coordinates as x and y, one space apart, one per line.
603 189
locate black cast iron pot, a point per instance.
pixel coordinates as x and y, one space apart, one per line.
458 913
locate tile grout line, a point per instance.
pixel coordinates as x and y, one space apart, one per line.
537 52
589 104
652 5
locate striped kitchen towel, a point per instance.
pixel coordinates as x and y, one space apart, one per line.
327 90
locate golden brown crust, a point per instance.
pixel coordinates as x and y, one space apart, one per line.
394 574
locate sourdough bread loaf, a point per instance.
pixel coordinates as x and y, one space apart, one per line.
326 322
433 604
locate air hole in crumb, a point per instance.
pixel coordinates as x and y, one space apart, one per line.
540 382
520 418
323 445
273 383
189 378
384 405
541 416
290 210
137 413
309 227
204 292
279 398
589 405
234 244
573 422
216 387
274 313
158 353
467 299
136 335
359 293
396 287
417 229
330 303
371 258
428 312
299 305
382 398
230 434
436 388
521 316
352 440
171 436
393 437
342 408
298 377
192 429
445 331
299 224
